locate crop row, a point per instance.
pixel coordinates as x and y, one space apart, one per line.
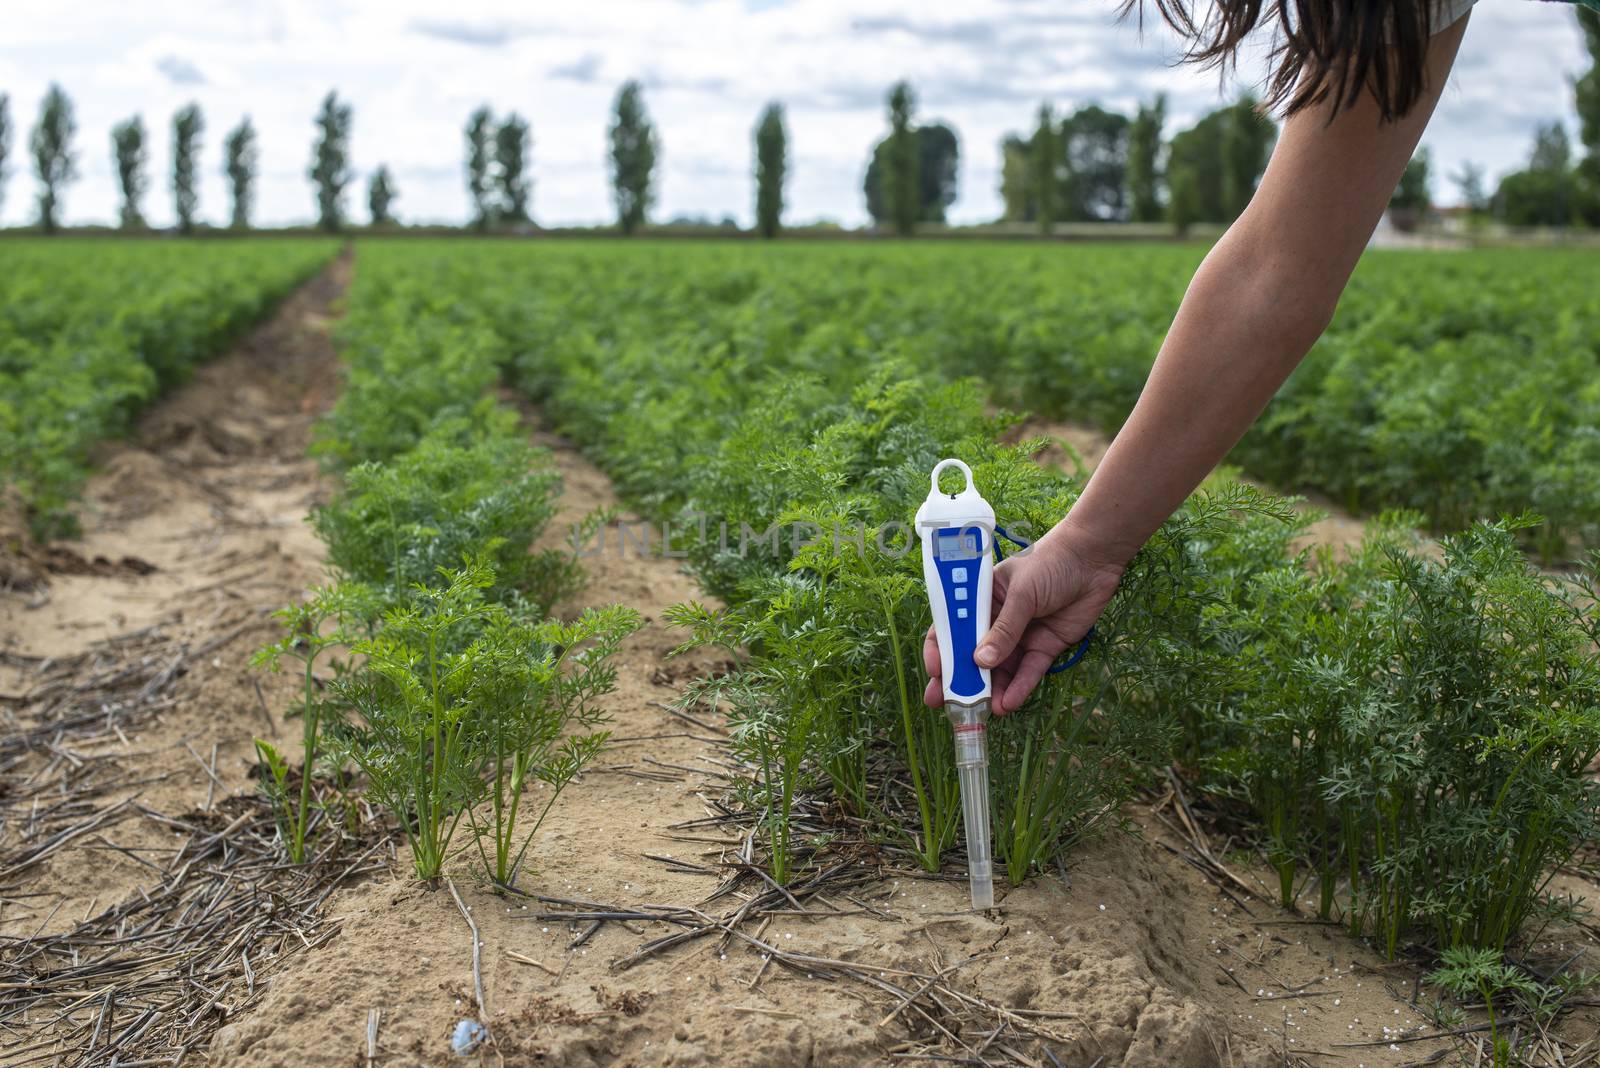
1461 386
454 697
92 331
1405 737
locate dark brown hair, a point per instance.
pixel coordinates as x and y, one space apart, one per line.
1323 50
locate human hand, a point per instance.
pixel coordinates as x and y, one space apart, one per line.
1045 601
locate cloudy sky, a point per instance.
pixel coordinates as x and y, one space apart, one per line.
413 71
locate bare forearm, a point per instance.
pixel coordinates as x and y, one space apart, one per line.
1255 307
1238 335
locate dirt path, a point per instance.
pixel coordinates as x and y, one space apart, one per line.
126 679
1133 958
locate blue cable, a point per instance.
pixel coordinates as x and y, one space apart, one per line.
1077 654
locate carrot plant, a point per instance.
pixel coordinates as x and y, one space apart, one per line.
312 628
411 735
397 523
461 701
1399 717
531 687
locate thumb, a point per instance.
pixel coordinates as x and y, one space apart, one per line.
1016 612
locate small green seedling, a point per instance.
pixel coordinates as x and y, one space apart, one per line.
311 629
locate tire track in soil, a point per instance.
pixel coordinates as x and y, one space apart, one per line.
208 496
1133 942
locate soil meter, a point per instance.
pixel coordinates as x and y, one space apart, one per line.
957 531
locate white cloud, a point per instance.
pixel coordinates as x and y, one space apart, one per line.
414 73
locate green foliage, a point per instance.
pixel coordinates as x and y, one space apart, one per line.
129 155
1547 192
1482 974
398 523
634 147
1401 717
1094 154
94 330
1371 724
1213 166
1144 161
511 168
454 694
239 160
772 146
5 142
1469 180
1077 169
1045 159
53 160
497 168
901 165
1411 194
330 161
410 376
531 687
311 629
480 161
460 700
187 126
938 171
416 698
381 195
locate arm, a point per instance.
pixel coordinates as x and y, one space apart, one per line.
1261 298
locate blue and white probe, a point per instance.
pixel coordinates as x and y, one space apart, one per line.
957 531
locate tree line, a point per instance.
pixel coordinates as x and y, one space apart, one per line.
55 164
1089 165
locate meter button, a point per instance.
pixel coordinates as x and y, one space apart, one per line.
961 593
958 574
961 613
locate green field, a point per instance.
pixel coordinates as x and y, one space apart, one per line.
1459 385
1374 722
1370 723
91 331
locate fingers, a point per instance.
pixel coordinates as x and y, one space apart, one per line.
933 693
1029 671
1016 609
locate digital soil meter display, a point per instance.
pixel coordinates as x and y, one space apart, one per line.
959 544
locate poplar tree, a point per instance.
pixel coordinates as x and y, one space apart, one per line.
772 145
381 194
330 160
511 167
1144 166
129 155
901 183
634 146
1586 91
187 125
239 165
53 161
5 141
480 162
1045 160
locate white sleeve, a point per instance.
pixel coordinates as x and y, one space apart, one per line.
1446 13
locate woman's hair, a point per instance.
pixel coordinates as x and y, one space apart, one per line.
1323 50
